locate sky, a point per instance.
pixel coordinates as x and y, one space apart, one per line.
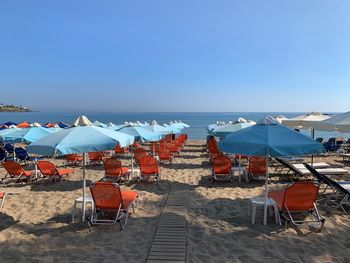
176 56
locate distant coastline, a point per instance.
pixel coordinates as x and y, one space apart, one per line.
13 108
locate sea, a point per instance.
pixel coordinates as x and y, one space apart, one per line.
198 121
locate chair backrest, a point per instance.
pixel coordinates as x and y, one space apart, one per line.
118 149
2 154
222 165
13 168
113 167
319 139
257 165
9 148
73 157
148 165
47 168
95 155
300 196
139 153
21 154
163 152
106 196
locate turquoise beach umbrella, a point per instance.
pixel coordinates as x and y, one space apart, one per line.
158 128
142 133
269 139
99 124
174 130
27 135
178 125
80 139
224 130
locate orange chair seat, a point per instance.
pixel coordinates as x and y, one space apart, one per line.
128 197
278 196
145 172
2 194
27 173
65 171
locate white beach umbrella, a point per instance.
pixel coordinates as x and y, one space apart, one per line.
280 118
305 121
82 121
339 122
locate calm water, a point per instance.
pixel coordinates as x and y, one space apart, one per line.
197 121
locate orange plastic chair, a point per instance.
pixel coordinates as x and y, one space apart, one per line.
96 157
48 169
2 199
257 167
16 171
222 169
149 167
114 170
110 199
139 153
173 147
300 197
73 159
164 154
120 150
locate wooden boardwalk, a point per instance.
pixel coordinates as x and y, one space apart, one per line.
169 243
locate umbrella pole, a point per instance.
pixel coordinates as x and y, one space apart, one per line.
266 189
313 137
84 186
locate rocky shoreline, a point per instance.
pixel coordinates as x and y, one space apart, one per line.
12 108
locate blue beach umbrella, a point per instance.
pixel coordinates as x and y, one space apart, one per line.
224 130
179 124
99 124
269 139
80 139
141 133
174 130
155 127
27 135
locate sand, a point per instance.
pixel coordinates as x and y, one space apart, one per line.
35 222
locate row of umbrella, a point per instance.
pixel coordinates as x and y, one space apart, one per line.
83 139
313 120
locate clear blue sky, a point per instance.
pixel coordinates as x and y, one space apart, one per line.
176 55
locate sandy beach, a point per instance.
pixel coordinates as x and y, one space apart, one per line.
35 222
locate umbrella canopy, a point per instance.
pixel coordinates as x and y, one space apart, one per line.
268 138
179 125
80 140
142 133
114 127
62 125
99 124
173 129
35 124
27 135
140 124
280 118
224 130
155 127
305 121
24 124
339 122
10 123
81 121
